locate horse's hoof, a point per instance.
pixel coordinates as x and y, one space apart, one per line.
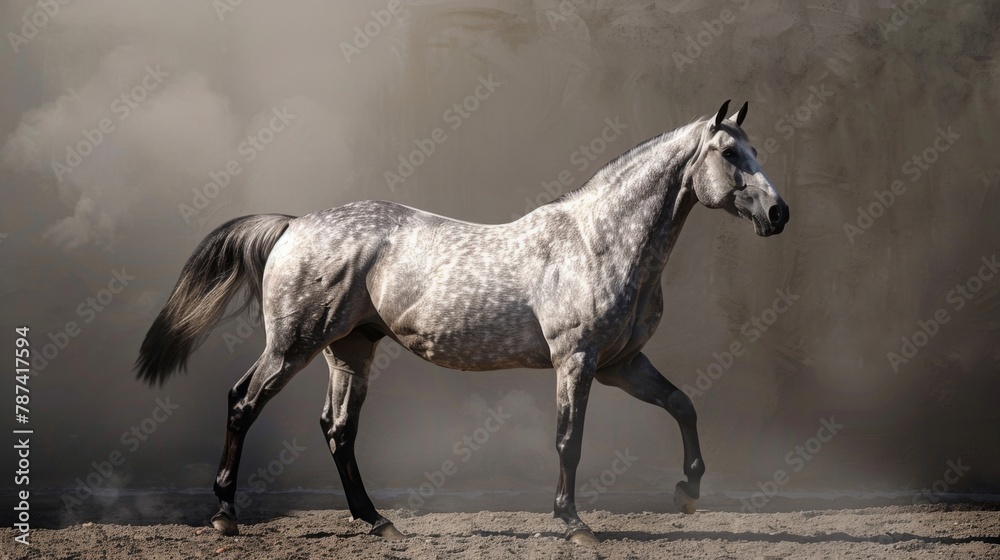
582 536
387 531
685 503
225 525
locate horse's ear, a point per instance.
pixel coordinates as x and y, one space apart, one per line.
742 114
721 114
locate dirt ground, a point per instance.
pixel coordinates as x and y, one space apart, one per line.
962 530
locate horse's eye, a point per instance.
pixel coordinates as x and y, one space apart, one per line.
729 153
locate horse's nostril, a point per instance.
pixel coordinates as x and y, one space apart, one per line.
774 214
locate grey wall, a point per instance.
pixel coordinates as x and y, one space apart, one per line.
843 96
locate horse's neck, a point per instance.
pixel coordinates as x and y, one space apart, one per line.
633 209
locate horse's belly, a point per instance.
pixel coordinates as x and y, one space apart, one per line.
457 295
470 337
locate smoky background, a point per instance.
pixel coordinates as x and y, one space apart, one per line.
843 96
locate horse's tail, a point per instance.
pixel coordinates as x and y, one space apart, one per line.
228 261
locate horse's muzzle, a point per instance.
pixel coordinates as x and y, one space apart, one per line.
768 213
777 217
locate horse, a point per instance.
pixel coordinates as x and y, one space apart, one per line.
573 286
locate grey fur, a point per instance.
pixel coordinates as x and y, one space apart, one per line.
573 285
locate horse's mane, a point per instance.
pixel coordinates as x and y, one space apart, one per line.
616 164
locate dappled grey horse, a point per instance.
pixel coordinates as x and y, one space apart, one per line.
573 285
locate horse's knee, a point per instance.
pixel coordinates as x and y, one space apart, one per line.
337 433
681 408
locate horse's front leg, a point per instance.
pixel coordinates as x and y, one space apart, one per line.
640 379
574 375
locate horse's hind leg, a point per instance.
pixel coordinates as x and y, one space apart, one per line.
246 399
641 380
350 359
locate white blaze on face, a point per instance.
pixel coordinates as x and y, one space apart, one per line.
761 181
754 176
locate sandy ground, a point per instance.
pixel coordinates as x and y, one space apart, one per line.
277 530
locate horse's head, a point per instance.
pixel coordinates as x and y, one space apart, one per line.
726 174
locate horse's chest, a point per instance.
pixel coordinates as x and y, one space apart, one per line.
635 329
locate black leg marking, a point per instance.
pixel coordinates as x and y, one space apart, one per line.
641 380
246 399
350 359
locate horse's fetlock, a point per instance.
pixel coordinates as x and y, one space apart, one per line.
695 469
563 506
